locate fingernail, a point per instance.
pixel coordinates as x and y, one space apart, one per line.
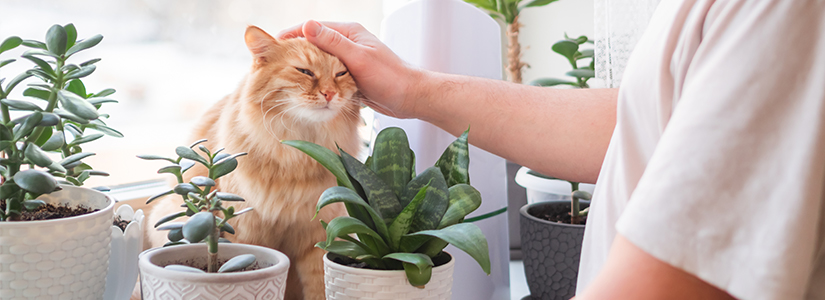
315 28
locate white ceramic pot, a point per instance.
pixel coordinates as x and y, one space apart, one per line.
58 259
348 283
123 261
542 189
268 282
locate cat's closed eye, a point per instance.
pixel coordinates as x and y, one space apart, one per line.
342 73
307 72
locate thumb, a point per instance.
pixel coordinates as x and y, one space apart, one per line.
328 39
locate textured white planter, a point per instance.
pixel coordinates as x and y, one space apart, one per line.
543 189
58 259
348 283
123 261
268 282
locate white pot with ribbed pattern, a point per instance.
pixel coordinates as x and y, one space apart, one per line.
349 283
62 258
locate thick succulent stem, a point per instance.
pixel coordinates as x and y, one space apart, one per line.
575 217
514 64
212 241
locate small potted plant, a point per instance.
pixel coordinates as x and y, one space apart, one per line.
402 220
50 226
193 267
555 208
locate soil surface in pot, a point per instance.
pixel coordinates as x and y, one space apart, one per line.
204 267
120 223
51 211
555 213
438 260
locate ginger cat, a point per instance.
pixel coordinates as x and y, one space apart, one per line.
294 91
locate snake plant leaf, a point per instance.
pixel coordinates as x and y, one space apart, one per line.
182 268
170 217
391 158
237 263
199 226
188 153
434 204
325 157
35 181
56 40
37 156
379 195
418 267
455 161
464 199
401 224
77 106
344 225
347 196
345 248
467 237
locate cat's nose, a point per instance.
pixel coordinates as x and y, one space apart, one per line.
328 95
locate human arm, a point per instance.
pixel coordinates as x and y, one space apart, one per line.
562 133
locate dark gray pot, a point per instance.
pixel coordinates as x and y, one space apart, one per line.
550 252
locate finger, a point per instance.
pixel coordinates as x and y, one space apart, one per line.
328 39
291 32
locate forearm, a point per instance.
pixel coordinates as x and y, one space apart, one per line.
558 132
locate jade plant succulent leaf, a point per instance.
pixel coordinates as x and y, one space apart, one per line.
237 263
391 158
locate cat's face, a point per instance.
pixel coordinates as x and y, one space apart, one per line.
298 80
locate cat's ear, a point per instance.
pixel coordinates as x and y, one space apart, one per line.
259 43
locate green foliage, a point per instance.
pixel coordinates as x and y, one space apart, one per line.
571 50
402 220
507 10
202 203
41 131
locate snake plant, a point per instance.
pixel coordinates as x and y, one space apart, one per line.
402 220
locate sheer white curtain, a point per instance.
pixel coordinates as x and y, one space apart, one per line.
618 26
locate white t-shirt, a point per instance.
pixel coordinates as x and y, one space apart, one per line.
717 162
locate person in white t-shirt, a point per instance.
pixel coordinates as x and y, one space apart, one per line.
710 158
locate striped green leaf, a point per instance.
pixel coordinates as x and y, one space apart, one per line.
464 199
467 237
344 226
401 225
325 157
345 248
455 161
380 196
391 158
418 267
434 204
347 196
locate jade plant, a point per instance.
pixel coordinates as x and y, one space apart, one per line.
49 119
508 11
570 49
402 220
202 204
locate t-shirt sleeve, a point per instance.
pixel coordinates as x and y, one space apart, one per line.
734 190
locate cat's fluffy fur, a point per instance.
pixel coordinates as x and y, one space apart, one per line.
284 97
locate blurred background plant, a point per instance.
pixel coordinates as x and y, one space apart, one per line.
571 50
31 135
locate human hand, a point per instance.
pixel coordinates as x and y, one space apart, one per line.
386 81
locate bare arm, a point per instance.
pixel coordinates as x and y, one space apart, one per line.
631 273
562 133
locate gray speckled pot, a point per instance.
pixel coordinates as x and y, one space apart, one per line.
551 253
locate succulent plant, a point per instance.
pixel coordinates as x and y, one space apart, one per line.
202 204
30 132
570 49
402 220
